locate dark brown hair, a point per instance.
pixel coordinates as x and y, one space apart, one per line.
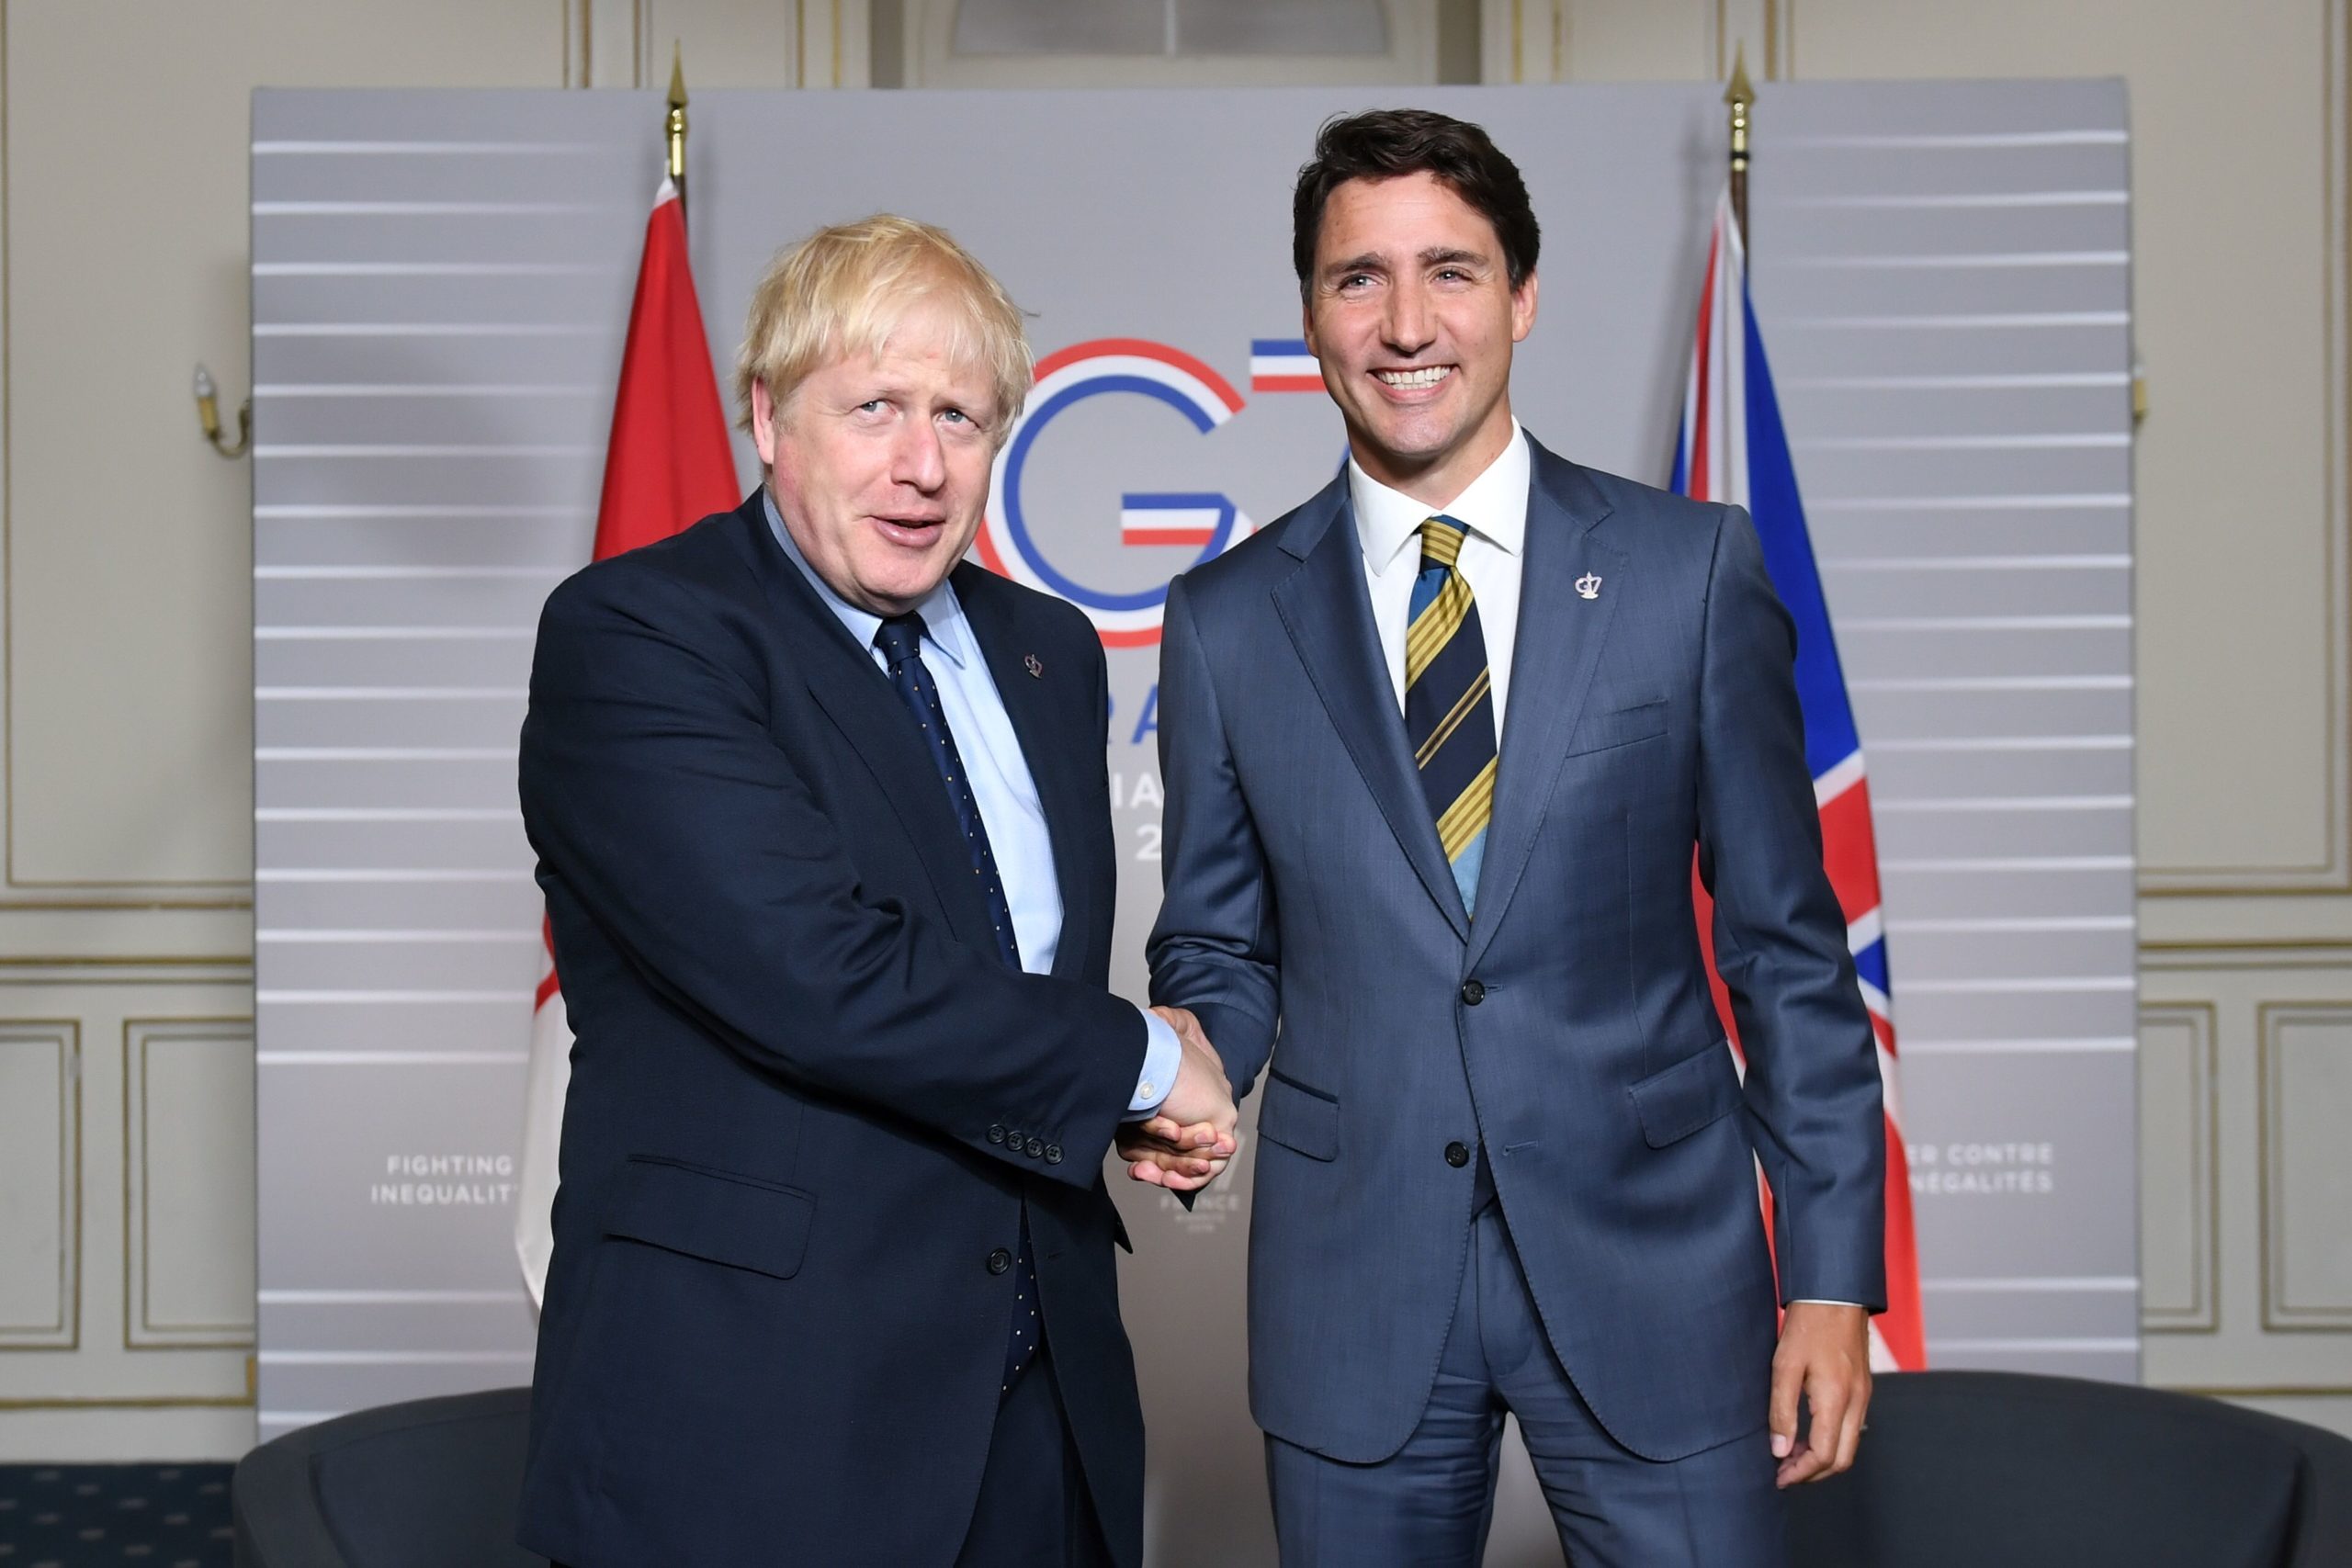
1382 144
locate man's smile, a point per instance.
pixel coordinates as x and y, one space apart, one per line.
1423 379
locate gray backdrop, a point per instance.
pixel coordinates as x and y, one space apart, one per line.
440 286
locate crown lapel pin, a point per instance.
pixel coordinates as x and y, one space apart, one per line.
1036 666
1589 585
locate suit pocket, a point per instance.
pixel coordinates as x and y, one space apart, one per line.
1619 726
1677 1101
1304 1120
735 1220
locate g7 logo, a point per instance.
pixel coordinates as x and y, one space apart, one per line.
1207 519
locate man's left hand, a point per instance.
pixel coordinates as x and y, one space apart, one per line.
1825 1355
1159 1153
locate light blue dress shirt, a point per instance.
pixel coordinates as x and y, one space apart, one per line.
1001 785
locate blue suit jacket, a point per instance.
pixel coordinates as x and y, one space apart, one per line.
808 1100
1569 1028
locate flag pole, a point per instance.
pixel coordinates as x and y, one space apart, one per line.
1740 94
675 128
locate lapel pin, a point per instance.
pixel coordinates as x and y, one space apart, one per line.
1035 665
1588 587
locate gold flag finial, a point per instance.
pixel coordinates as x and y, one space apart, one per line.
1739 95
677 122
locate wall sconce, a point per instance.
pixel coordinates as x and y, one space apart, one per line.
207 413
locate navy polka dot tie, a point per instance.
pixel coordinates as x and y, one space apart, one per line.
901 639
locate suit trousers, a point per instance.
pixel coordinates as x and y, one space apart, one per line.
1034 1510
1428 1504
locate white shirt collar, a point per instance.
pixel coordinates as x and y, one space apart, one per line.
945 627
1493 506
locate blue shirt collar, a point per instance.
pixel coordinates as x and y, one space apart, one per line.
945 627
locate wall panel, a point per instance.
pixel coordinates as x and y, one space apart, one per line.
109 1388
187 1174
2239 186
40 1102
2306 1077
126 822
2179 1259
2237 196
2280 1029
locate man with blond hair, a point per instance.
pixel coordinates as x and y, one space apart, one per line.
825 835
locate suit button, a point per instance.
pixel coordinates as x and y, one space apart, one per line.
1472 993
1456 1155
996 1134
1012 1142
1037 1148
999 1260
1053 1154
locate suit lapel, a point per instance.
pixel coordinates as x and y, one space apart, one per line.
1039 707
866 708
1555 650
1326 609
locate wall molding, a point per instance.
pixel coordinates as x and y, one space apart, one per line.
819 43
105 1402
930 60
140 1331
1535 41
64 1036
2259 1391
2277 954
244 1400
1768 28
2279 1314
2332 876
113 969
2202 1314
46 894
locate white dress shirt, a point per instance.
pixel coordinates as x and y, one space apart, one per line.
1493 508
1001 785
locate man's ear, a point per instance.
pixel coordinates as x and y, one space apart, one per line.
763 422
1523 309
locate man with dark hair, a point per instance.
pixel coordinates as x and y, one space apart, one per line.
1439 748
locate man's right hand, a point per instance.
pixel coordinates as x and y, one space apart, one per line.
1186 1143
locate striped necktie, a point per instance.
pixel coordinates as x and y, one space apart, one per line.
1449 704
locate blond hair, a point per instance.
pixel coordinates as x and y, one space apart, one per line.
844 289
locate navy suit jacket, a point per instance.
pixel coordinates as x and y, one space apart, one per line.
1569 1028
810 1106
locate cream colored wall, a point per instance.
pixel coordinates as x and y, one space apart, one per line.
126 739
2239 196
726 44
125 1170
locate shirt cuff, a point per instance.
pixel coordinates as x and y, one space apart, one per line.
1817 1301
1162 1053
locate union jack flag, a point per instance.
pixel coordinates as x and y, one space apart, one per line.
1732 448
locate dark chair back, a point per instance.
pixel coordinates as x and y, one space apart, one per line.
1964 1469
1960 1470
430 1484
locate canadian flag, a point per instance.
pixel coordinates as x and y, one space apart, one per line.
668 464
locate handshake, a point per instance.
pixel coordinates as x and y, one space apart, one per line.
1186 1143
